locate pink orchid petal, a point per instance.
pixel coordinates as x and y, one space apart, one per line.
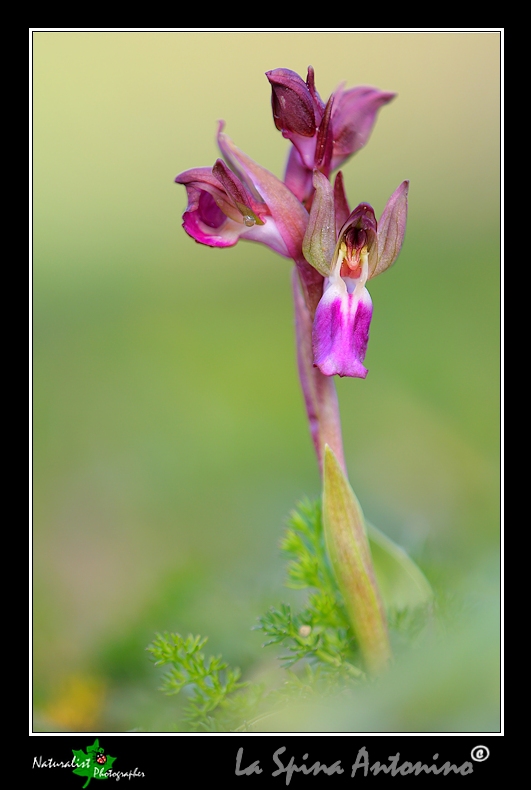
341 330
224 207
287 212
342 210
353 118
298 178
391 230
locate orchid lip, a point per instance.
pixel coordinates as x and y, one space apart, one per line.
341 331
341 326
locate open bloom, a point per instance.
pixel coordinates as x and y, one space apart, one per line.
323 135
241 201
364 248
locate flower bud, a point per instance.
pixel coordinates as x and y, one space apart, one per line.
292 103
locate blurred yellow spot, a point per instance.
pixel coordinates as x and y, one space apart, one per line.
78 704
305 630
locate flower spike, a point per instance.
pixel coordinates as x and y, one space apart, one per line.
336 251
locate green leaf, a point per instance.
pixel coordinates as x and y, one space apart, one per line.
87 764
402 584
348 549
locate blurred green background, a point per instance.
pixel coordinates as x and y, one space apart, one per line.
170 439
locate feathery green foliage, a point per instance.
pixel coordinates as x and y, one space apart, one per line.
211 681
321 631
319 634
318 649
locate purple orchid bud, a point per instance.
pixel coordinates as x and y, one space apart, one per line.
297 110
323 136
292 103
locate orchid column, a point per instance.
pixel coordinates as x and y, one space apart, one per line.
335 252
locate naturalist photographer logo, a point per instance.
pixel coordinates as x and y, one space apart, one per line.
95 764
92 764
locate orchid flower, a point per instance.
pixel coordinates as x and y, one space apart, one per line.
241 201
323 135
361 249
